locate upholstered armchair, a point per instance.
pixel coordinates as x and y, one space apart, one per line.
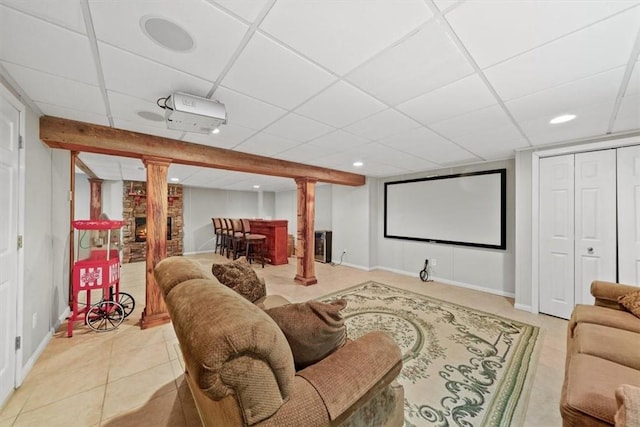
240 367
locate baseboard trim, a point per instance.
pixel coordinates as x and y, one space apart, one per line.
35 356
452 282
523 307
198 252
347 264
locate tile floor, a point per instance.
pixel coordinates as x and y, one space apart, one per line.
133 377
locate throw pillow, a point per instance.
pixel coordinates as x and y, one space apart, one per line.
313 329
239 276
631 302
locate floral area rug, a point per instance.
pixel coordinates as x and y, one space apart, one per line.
462 367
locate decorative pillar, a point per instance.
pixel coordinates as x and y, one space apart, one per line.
306 238
95 207
155 311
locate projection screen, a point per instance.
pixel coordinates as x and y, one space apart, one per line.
465 209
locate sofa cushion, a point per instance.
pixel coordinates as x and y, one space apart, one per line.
628 400
239 276
174 270
612 344
603 316
313 329
631 302
590 385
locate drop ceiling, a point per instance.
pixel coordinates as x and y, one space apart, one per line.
402 85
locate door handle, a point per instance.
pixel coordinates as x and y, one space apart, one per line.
590 250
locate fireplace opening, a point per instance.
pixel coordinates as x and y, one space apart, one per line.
141 229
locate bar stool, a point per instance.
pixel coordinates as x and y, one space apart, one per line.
252 242
217 229
236 237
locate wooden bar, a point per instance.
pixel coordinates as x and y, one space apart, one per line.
277 238
155 311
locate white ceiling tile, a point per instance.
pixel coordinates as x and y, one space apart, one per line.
302 153
452 100
493 143
230 135
598 48
45 47
628 117
78 115
633 88
339 141
298 128
423 62
381 125
276 75
443 5
141 126
127 107
384 154
591 120
60 12
51 89
216 33
264 144
181 172
340 105
340 34
564 99
246 9
129 74
493 31
475 121
246 111
428 145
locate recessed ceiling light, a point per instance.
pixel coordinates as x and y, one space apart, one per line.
175 179
216 130
562 119
256 186
358 164
167 34
150 115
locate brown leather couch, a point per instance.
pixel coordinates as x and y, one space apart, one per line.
240 368
603 352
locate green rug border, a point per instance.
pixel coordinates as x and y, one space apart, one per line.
521 380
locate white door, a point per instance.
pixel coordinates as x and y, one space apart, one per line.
556 231
629 215
9 163
595 223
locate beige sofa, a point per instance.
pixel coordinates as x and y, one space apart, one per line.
603 353
240 368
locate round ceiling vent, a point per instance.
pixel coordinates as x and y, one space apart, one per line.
167 34
150 115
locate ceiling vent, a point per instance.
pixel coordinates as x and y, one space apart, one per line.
192 113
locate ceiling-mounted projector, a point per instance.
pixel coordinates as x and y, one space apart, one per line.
191 113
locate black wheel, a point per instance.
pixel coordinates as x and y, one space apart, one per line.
424 275
127 302
104 316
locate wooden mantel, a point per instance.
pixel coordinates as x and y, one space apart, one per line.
90 138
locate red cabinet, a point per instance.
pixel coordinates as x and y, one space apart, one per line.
276 232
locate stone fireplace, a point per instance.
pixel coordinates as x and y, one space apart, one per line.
134 213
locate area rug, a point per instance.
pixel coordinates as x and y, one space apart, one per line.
462 367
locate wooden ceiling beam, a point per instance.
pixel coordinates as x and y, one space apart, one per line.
91 138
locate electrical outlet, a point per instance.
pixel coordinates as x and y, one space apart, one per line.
433 262
34 320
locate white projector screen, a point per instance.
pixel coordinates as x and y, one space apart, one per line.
465 209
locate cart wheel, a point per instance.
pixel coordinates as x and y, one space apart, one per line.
105 315
127 302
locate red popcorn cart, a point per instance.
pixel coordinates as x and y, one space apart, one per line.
97 268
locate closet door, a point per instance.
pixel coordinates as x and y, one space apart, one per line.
556 235
629 215
595 221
